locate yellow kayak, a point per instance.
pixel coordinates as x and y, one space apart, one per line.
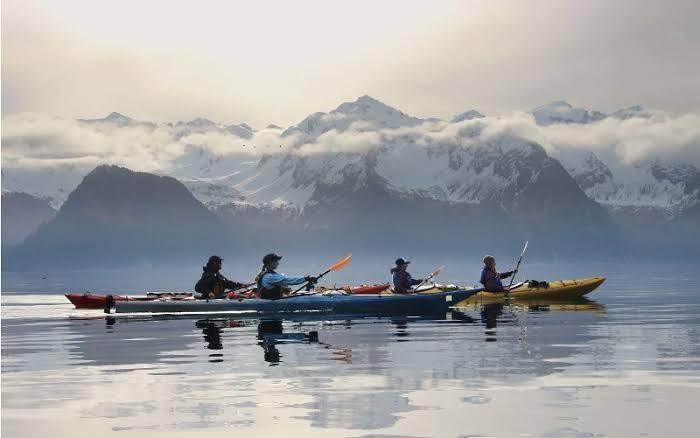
555 290
560 290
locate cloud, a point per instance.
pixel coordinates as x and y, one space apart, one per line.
634 140
34 141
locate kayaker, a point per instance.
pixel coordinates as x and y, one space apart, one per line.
491 278
401 279
272 285
213 284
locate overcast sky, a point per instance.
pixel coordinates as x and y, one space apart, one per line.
264 62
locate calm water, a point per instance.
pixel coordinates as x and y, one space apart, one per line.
625 364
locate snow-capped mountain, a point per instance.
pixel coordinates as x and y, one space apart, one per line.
116 120
367 140
562 112
664 190
467 115
374 113
368 175
654 187
52 184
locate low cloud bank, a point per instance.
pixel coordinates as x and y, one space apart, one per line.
34 141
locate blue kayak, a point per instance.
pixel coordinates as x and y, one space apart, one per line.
396 304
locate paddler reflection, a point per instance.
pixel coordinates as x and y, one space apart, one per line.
271 333
212 330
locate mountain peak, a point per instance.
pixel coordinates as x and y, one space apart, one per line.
560 111
201 122
632 111
559 105
364 104
113 117
467 115
367 99
117 117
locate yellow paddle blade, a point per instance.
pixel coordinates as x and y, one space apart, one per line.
340 264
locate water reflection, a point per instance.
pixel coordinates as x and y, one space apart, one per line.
357 373
212 337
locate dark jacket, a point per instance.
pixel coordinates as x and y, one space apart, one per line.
402 281
213 281
492 279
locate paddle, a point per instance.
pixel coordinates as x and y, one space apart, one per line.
340 264
512 278
430 277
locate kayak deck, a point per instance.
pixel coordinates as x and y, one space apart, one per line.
403 304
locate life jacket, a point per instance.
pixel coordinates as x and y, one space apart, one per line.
272 293
399 276
496 281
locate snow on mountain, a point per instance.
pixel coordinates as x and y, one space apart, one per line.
634 111
367 140
52 184
242 130
116 120
664 189
562 112
467 115
376 114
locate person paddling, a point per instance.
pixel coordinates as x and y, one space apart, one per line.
213 284
401 279
272 285
491 278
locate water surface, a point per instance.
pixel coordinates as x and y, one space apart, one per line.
626 363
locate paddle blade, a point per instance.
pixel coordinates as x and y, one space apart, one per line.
523 253
340 264
437 272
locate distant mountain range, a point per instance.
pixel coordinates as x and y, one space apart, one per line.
22 214
402 183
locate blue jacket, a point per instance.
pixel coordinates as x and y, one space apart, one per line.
272 279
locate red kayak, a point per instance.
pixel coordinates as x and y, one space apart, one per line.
369 290
93 301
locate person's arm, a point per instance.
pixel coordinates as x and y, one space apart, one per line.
270 280
228 284
506 274
415 281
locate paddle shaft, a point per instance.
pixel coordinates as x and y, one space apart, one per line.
308 283
517 266
429 277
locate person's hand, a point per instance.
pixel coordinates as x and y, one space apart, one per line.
515 272
310 279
